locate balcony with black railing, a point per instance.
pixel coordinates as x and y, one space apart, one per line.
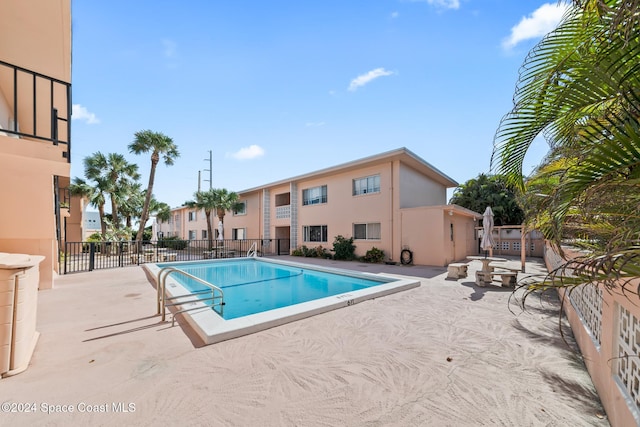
35 106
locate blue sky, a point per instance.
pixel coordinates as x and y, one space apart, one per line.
280 88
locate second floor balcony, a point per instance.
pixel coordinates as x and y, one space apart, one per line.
35 106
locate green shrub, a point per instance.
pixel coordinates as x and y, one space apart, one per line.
321 252
299 251
94 238
344 248
317 252
374 255
173 242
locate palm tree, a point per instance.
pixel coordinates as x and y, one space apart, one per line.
159 145
95 196
115 174
225 200
580 88
205 200
131 203
161 209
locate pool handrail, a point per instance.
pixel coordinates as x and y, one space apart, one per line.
212 298
253 250
161 295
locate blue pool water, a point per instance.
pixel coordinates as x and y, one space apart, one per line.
252 286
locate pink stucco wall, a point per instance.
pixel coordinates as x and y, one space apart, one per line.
37 36
602 359
27 220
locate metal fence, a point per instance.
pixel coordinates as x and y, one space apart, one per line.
89 256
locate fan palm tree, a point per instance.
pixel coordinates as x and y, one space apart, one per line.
580 88
158 145
225 200
205 200
95 196
132 202
161 209
115 174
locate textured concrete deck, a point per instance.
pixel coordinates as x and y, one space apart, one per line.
448 353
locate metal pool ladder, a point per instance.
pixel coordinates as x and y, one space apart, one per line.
216 300
253 250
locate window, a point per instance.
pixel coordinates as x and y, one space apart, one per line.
370 231
192 216
370 184
505 246
192 234
241 209
238 233
283 199
314 196
204 234
315 233
516 246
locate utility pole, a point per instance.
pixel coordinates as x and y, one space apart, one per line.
210 170
199 173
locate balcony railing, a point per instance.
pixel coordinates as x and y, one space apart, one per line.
39 106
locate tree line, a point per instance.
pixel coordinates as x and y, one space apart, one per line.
111 179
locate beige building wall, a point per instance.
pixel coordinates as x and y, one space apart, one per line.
36 36
183 220
438 235
407 211
74 227
343 209
418 190
250 220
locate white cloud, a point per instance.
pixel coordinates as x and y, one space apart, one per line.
542 21
314 124
246 153
78 112
394 14
364 79
170 48
447 4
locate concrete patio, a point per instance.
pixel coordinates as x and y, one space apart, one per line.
448 353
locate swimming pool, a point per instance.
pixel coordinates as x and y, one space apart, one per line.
261 293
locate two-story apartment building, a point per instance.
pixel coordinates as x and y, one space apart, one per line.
35 115
392 201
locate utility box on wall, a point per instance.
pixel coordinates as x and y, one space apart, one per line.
19 277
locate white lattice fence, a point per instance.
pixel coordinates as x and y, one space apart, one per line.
587 300
628 348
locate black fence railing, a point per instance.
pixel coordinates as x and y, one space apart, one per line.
40 106
89 256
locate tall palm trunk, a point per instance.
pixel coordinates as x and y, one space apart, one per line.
115 219
103 225
207 214
155 157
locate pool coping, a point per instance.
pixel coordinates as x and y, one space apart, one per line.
212 328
